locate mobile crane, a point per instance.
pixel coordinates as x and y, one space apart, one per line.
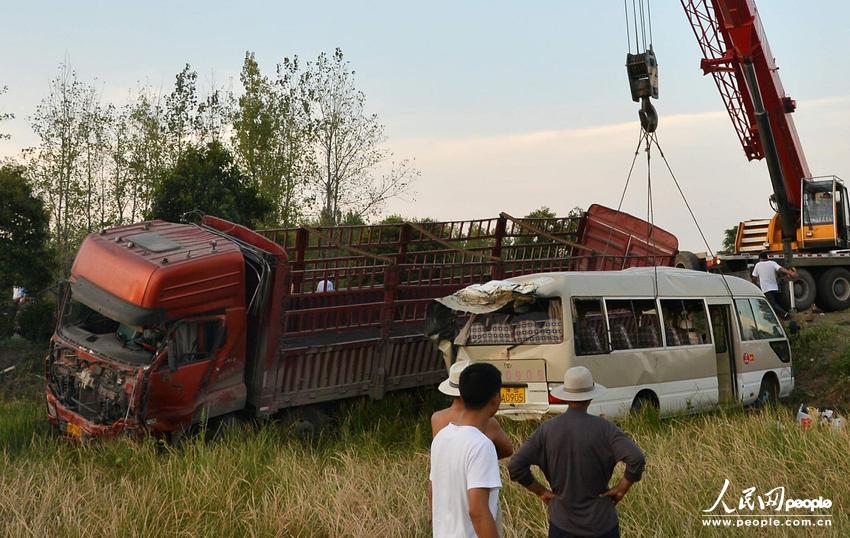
809 228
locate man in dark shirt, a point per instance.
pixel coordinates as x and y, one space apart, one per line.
577 453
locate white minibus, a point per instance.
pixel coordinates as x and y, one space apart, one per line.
678 340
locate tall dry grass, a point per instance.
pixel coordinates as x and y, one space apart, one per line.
369 477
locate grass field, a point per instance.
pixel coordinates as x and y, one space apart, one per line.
367 476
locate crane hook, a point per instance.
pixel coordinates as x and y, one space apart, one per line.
642 70
648 116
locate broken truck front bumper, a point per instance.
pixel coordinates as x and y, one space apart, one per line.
73 426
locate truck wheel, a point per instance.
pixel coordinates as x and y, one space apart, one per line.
805 291
833 290
224 426
687 260
311 423
179 436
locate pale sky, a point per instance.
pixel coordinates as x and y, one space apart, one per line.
505 106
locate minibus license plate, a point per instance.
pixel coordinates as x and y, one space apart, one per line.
74 430
513 395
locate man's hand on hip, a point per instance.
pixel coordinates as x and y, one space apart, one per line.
619 491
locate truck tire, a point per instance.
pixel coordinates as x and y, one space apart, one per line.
687 260
833 290
311 423
805 291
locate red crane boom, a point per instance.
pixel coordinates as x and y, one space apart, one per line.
730 34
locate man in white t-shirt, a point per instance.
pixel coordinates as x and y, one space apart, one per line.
764 274
464 479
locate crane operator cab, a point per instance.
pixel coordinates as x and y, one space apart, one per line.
824 213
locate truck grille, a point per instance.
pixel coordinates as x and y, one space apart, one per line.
90 390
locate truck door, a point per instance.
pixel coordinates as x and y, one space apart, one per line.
721 323
176 387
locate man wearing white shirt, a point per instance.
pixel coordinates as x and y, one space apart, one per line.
464 479
765 275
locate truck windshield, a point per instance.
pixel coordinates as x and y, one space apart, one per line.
124 342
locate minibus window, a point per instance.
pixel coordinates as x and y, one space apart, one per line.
685 322
539 321
589 332
633 324
748 320
766 324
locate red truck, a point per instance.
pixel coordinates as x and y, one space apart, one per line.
162 324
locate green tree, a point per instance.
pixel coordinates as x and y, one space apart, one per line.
145 150
180 111
57 164
96 204
211 119
271 138
5 115
25 259
206 179
354 172
729 237
543 218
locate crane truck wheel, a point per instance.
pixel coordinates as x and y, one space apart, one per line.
687 260
833 290
805 291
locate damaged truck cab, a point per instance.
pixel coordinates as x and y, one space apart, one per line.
152 329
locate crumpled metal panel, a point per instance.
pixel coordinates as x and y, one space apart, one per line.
490 296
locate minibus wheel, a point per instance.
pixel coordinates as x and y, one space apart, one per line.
644 402
768 393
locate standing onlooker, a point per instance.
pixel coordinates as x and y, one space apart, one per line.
577 453
764 274
464 479
440 419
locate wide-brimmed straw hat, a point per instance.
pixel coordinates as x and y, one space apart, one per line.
578 386
451 386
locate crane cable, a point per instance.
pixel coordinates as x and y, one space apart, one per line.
622 198
641 15
647 140
650 213
690 210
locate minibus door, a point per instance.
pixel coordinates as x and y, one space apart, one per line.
721 319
